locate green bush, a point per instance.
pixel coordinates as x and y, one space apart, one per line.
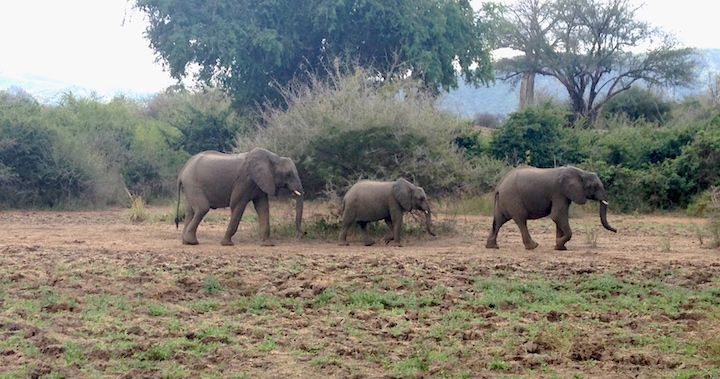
699 161
35 173
531 136
352 127
639 103
637 144
202 120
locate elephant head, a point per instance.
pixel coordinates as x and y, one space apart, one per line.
411 197
581 186
272 172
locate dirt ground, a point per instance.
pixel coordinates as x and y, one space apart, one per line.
41 244
639 238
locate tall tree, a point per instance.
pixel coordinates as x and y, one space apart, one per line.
587 45
246 46
527 28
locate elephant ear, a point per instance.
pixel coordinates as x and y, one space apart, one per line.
571 185
402 192
261 169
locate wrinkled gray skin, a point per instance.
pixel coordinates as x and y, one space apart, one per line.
216 180
368 201
529 193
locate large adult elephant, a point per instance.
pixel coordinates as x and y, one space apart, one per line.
217 180
530 193
369 200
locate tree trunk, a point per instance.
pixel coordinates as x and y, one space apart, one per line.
527 90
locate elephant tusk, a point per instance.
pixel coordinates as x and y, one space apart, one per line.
605 202
426 212
297 193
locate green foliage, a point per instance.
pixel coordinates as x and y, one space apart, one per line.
35 172
639 103
201 120
699 161
540 30
353 128
532 136
247 45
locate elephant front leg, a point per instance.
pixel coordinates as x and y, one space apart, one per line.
235 217
527 240
262 207
563 233
396 225
390 235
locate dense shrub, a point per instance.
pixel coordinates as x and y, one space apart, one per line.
639 103
531 136
638 144
34 172
353 127
699 162
201 120
82 152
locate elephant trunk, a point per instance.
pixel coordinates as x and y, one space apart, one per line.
299 213
428 223
603 217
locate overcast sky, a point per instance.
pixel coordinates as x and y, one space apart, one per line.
99 44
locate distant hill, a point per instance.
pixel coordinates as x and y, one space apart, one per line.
502 97
466 101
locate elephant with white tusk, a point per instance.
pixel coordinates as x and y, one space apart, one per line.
368 201
214 180
529 193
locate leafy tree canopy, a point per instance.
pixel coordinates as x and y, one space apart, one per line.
588 46
247 46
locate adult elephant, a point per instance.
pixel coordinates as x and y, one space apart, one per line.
217 180
369 200
530 193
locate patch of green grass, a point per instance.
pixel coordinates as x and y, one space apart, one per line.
378 300
322 299
267 344
211 285
204 305
498 364
73 353
157 310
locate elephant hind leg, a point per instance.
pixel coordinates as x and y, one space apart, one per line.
527 240
498 221
190 229
367 239
342 239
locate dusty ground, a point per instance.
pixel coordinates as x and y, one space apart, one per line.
60 250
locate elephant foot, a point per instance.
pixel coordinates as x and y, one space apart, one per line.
267 243
491 245
344 243
397 244
560 247
369 242
189 242
531 245
227 243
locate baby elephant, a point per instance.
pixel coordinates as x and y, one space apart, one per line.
372 201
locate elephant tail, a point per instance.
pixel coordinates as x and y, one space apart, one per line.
177 210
